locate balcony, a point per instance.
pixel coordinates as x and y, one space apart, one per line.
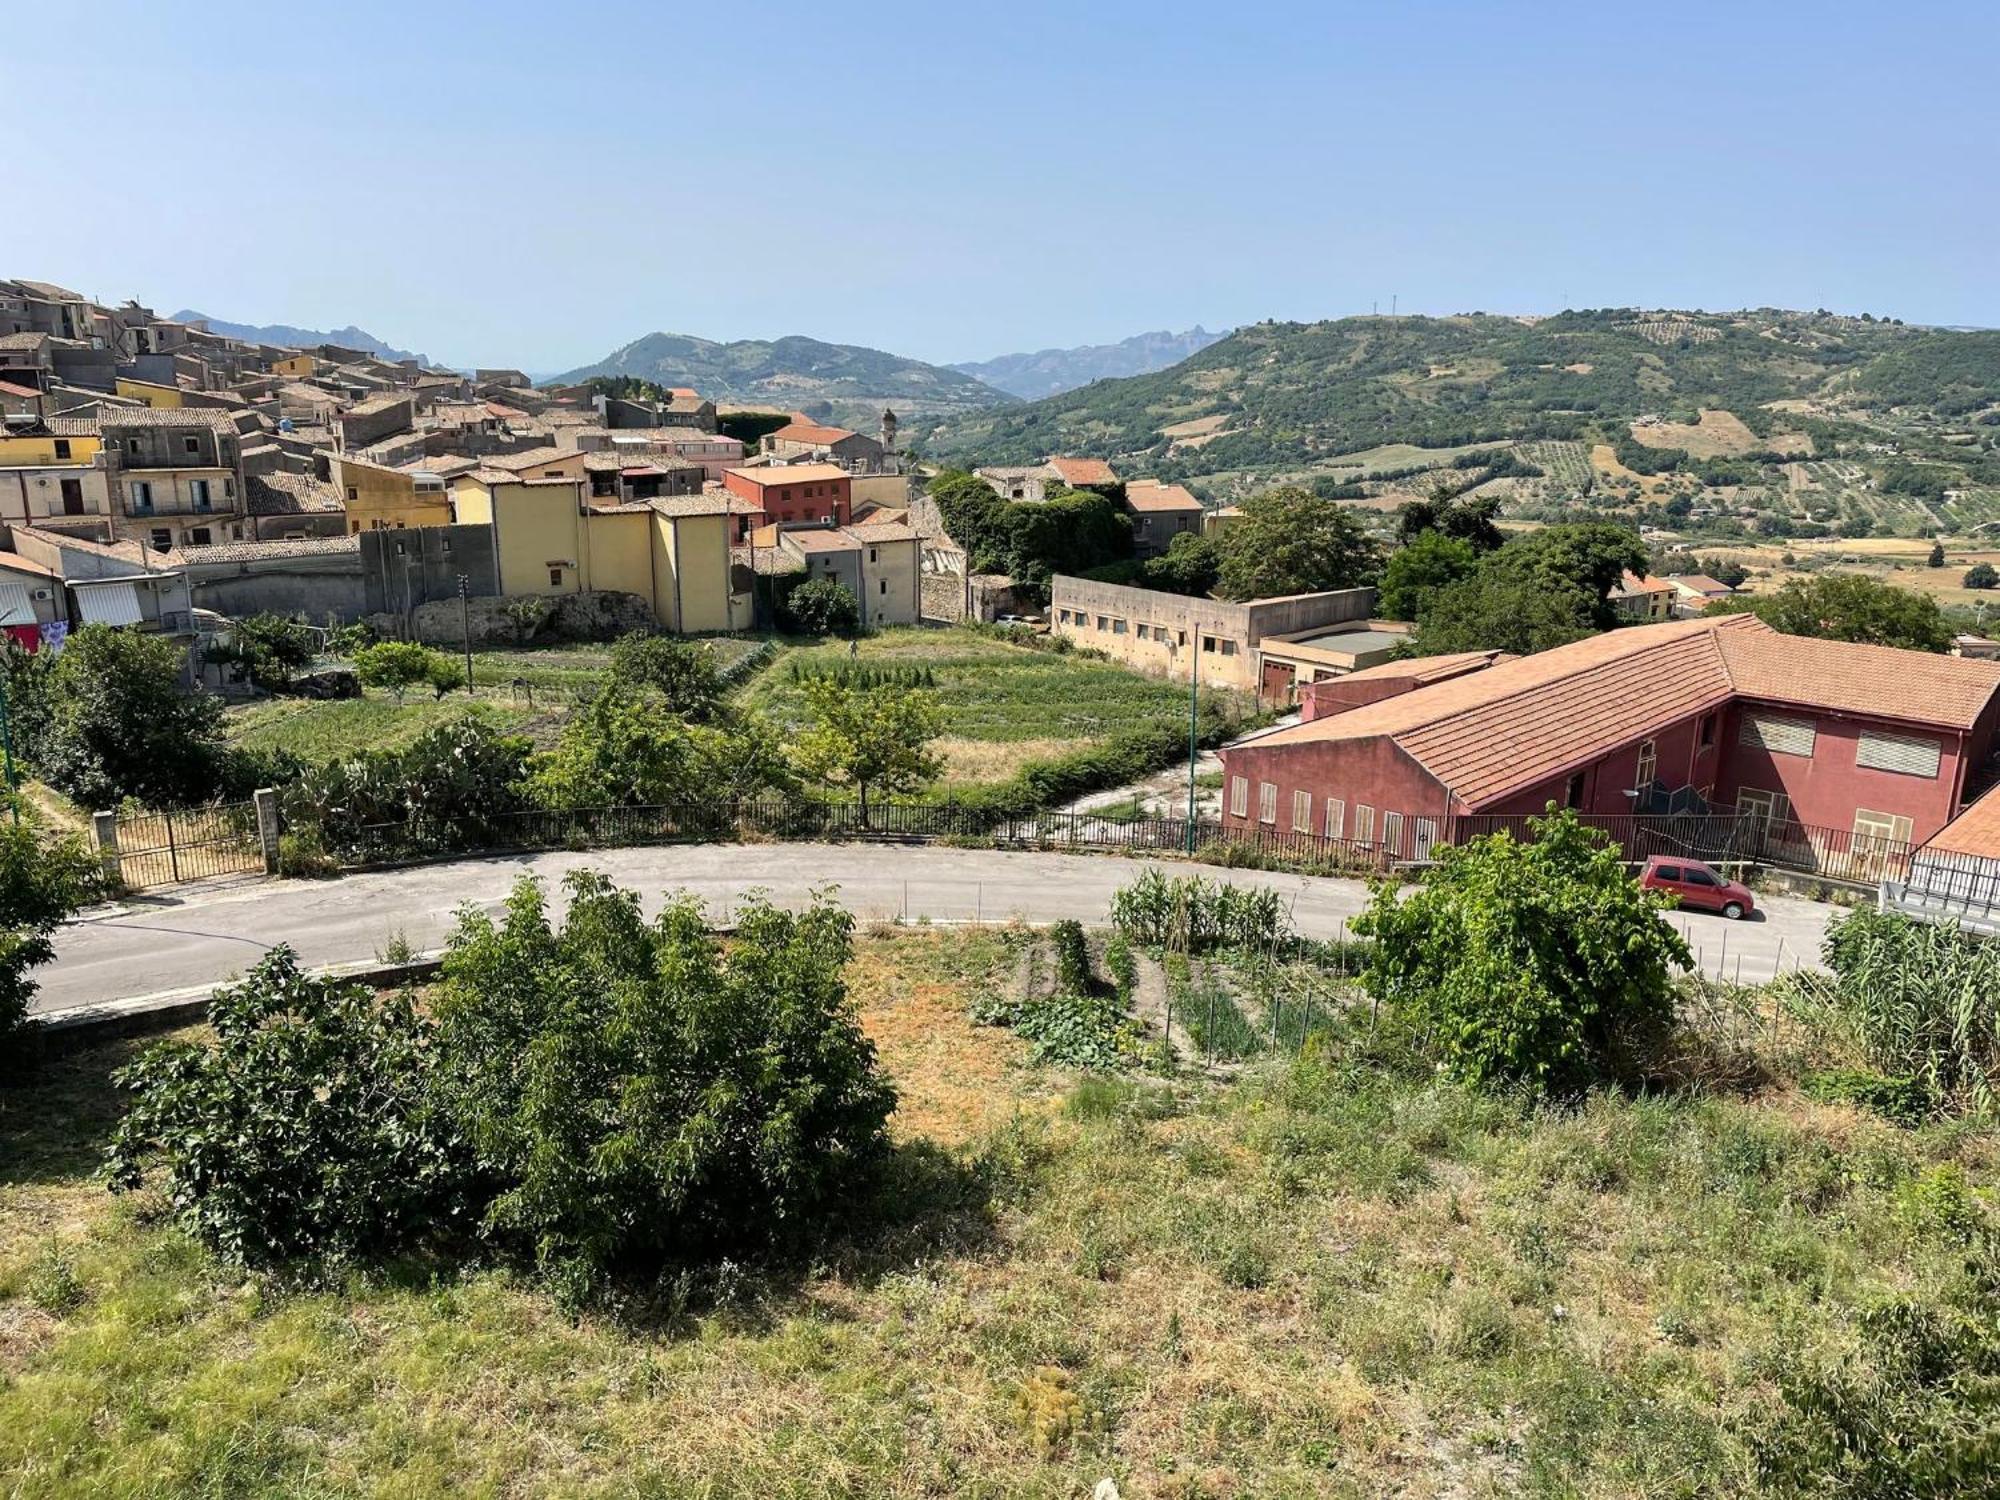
181 506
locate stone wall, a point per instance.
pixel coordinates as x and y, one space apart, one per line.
495 621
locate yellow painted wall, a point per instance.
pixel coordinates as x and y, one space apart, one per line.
160 397
896 564
474 500
22 452
378 498
892 490
296 367
537 527
621 553
699 548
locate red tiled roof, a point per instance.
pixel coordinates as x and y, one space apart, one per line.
792 474
20 392
1487 735
1081 473
812 432
1151 495
1975 831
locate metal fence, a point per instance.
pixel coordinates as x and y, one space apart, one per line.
165 848
1962 888
1728 838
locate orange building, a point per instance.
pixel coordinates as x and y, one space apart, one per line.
796 494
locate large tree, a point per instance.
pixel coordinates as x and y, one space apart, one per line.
43 878
1289 541
1430 562
1497 611
1849 607
1447 513
120 724
869 738
1589 555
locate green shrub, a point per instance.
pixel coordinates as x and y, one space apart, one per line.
1542 962
43 879
682 672
1076 1031
821 606
402 665
119 724
1903 1100
637 1093
456 786
1073 974
304 1133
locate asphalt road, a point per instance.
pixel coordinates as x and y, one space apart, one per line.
204 934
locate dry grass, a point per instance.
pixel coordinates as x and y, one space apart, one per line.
997 760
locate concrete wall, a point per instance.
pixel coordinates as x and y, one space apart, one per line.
291 589
537 528
890 577
404 569
697 550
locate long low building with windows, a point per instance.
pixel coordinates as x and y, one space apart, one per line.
1854 742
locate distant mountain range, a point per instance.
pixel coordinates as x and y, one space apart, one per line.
841 382
299 338
1050 372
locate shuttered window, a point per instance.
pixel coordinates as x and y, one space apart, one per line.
1267 802
1911 754
1302 812
1364 823
1778 734
1392 832
1336 818
1427 836
1888 827
1239 796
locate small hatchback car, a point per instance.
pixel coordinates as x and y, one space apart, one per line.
1699 887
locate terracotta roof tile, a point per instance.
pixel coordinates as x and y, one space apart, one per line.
1975 831
1151 495
1081 473
1921 686
812 432
793 474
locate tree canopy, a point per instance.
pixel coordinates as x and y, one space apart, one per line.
870 738
1432 560
1289 541
119 724
1849 607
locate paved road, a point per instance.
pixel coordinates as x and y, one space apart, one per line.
205 934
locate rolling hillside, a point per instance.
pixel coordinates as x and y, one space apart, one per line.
1292 397
349 337
843 381
1049 372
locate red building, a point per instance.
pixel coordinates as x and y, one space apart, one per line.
1718 713
796 494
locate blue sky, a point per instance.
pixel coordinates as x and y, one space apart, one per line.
535 185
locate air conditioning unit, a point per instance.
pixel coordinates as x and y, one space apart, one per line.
44 595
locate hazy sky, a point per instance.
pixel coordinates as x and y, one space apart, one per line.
535 185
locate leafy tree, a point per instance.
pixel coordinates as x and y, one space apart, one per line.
29 685
822 606
636 1093
1849 607
1492 610
270 649
1591 555
1431 561
1936 559
43 878
456 786
1289 541
1980 576
1190 565
1540 962
1443 511
621 750
119 724
401 665
683 673
875 738
305 1132
1726 571
1069 531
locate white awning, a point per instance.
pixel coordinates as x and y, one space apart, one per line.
108 603
16 608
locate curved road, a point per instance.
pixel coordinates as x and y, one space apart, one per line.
201 935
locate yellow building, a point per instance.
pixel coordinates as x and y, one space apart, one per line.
159 397
673 551
295 366
52 469
379 498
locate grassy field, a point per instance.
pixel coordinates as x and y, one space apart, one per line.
327 730
1004 706
1335 1276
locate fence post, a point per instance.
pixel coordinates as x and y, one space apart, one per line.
104 828
266 801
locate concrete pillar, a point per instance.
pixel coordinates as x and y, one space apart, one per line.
104 828
266 802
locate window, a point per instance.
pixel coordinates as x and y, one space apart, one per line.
131 445
1707 731
1427 837
1117 627
882 587
62 447
1183 637
1392 832
1696 875
1909 754
198 537
1884 827
1239 796
1764 807
198 488
1228 648
1649 766
1778 734
1302 812
1669 872
555 576
142 495
1573 791
1336 818
353 493
1208 644
871 554
162 539
1267 802
1103 622
1364 823
191 445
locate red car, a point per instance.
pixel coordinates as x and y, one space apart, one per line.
1699 887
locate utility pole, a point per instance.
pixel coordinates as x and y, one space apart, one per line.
465 627
1194 724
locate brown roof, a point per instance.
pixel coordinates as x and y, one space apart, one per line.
811 432
792 474
1486 735
1081 473
229 552
167 416
1427 669
1974 831
882 531
1151 495
13 562
284 494
1701 583
533 458
696 505
29 340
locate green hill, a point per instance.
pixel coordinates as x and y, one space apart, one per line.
842 381
1279 395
